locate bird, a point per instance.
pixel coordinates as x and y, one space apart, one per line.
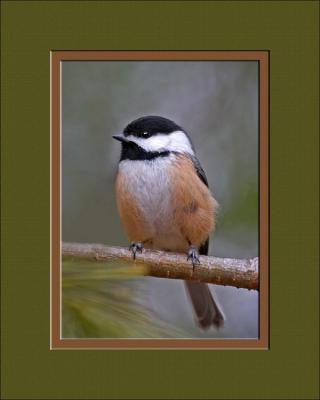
164 201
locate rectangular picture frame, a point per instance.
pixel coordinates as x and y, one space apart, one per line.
263 59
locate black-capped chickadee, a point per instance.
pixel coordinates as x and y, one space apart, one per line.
164 201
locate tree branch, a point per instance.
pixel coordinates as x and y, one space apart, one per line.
240 273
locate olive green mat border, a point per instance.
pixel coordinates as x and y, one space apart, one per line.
289 29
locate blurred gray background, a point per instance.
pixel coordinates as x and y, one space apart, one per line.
217 104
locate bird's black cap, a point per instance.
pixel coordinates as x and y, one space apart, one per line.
151 125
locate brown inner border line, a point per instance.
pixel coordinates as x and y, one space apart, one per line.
263 58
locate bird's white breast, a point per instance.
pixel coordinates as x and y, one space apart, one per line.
149 183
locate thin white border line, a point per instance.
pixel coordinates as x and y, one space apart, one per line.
161 348
167 339
50 201
60 197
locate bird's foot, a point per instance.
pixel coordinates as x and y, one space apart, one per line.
193 255
135 247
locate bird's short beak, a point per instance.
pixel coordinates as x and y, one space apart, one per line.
121 138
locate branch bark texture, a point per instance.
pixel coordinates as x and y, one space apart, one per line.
240 273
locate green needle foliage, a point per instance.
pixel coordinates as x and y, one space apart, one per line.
102 300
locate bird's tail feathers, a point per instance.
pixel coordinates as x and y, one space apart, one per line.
207 309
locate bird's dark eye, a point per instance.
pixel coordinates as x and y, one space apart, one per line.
145 134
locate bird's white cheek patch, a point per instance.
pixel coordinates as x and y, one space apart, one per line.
154 143
175 141
180 143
